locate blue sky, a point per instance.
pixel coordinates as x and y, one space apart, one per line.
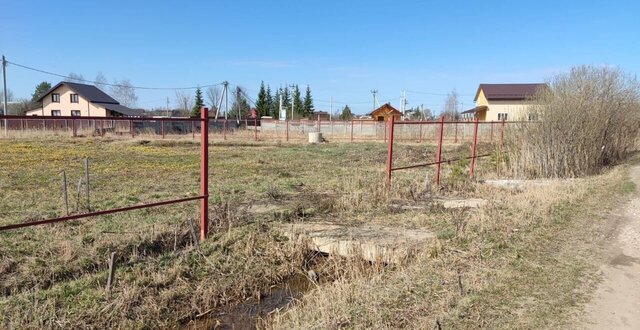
342 49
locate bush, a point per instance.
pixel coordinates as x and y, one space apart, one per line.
589 119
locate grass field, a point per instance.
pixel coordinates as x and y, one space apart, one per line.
53 276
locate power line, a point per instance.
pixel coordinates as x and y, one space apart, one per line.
108 84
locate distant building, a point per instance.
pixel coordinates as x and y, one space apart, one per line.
385 112
80 100
322 115
497 102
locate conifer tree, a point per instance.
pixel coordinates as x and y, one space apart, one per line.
269 102
275 105
307 104
297 101
346 113
262 104
198 104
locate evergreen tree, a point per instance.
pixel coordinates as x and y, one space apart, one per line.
297 101
198 104
42 88
346 113
262 104
307 104
269 102
275 105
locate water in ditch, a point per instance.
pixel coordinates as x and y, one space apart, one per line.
247 314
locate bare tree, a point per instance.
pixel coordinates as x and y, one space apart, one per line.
589 119
184 102
23 105
451 105
75 77
101 81
213 96
124 92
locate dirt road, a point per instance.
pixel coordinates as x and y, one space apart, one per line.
616 301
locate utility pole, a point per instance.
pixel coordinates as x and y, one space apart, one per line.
375 100
226 98
4 86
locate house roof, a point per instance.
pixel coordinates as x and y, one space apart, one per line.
476 109
389 110
508 91
121 109
91 93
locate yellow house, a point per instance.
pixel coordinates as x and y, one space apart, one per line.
80 100
497 102
385 112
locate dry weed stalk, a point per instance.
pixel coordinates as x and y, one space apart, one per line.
589 119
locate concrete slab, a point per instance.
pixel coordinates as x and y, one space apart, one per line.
518 184
459 203
371 242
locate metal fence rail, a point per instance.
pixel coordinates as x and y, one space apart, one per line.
442 130
203 197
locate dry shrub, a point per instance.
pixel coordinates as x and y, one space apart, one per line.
589 119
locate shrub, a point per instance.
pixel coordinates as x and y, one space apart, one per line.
589 119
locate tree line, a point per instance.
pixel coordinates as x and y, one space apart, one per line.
268 104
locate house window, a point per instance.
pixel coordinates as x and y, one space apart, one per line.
502 116
55 97
75 113
56 113
74 98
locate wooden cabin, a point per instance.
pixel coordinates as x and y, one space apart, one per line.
385 112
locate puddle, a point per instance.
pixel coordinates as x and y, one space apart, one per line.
245 315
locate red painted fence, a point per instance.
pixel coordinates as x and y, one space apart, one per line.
203 197
439 138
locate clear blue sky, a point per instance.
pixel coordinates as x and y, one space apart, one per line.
342 49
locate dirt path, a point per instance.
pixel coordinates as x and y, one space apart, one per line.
616 301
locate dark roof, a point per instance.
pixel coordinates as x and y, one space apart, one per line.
92 93
508 91
121 109
476 109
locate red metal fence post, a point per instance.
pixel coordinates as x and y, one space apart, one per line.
420 136
473 148
439 153
204 173
352 130
390 150
287 122
162 128
255 128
